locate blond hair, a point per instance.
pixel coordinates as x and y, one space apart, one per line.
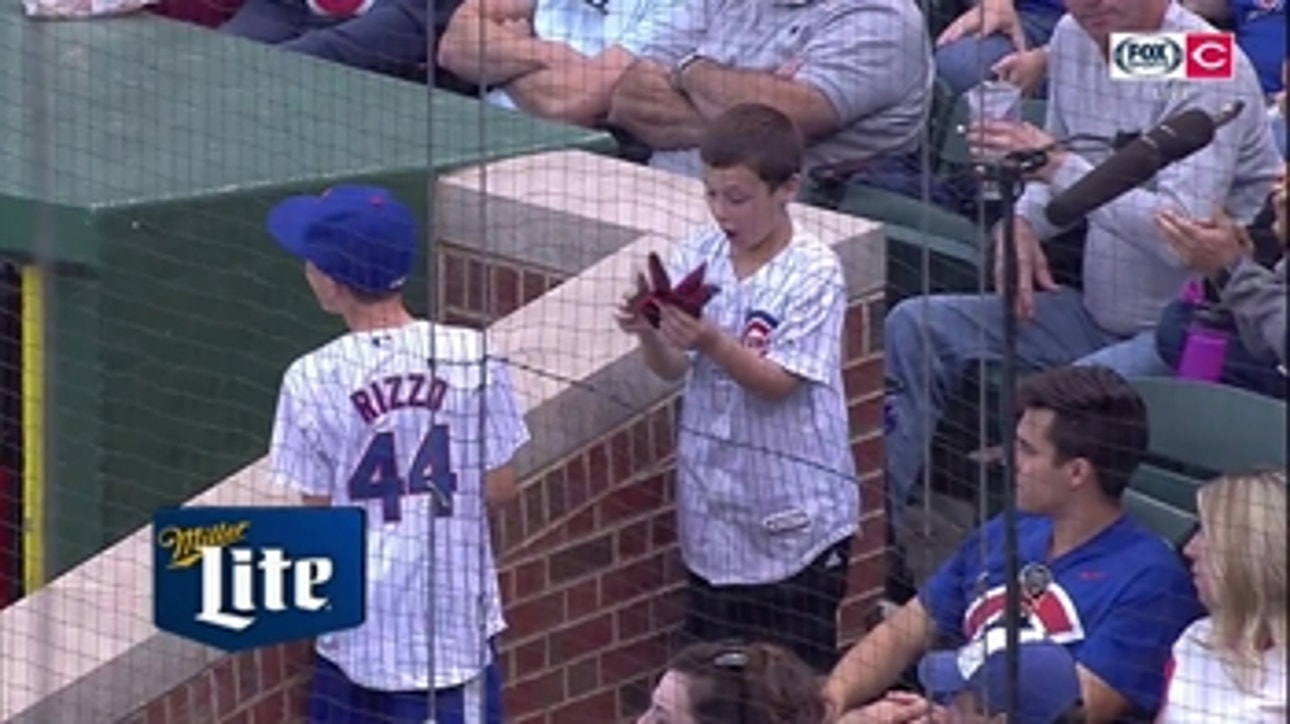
1243 519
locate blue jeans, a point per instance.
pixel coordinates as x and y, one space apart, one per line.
966 62
388 38
931 341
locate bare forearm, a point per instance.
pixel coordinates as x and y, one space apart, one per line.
483 52
645 105
662 359
714 88
874 664
752 371
577 92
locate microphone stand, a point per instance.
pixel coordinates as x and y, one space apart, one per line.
1009 174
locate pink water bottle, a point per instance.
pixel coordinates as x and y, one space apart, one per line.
1205 351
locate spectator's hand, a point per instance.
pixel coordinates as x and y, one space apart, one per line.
685 332
628 316
1279 208
999 138
1206 245
897 707
1032 268
991 17
1024 68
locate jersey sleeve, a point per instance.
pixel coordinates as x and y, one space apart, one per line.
504 419
807 342
297 455
1130 648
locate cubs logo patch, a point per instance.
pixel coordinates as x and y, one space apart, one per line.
758 327
1051 612
340 8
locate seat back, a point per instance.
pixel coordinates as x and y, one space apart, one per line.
1212 427
1198 431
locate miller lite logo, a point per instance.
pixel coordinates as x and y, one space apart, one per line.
238 578
1173 56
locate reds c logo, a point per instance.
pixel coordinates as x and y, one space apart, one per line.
1210 56
758 327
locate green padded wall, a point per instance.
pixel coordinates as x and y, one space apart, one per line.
152 150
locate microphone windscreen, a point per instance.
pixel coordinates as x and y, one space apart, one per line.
1183 135
1130 166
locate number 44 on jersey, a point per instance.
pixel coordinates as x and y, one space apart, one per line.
377 475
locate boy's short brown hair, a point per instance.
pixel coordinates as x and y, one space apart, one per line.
757 136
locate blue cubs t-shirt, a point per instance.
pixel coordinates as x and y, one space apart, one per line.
1261 32
1050 7
1118 602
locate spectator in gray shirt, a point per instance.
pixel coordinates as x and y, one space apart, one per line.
1253 294
1130 273
855 75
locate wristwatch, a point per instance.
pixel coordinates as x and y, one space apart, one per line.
674 77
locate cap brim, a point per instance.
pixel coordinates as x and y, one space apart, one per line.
939 673
289 220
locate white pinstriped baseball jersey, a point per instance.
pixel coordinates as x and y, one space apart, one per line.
1199 690
404 422
763 487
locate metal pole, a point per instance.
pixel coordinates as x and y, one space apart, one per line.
434 314
1010 178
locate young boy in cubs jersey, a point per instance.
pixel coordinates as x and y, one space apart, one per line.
415 423
767 497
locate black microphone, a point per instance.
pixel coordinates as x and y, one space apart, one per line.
1139 160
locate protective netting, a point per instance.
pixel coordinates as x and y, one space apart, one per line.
788 468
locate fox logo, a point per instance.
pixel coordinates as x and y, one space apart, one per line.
238 578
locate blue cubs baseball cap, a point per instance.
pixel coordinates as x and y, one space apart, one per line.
1048 686
360 236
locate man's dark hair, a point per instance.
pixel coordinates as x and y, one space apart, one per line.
1097 416
757 136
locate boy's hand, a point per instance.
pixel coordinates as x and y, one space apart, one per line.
684 331
629 315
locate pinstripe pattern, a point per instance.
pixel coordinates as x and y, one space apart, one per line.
439 599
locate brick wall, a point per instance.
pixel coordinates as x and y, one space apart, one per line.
588 566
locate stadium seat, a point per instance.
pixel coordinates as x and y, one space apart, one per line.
953 265
1173 524
1199 430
